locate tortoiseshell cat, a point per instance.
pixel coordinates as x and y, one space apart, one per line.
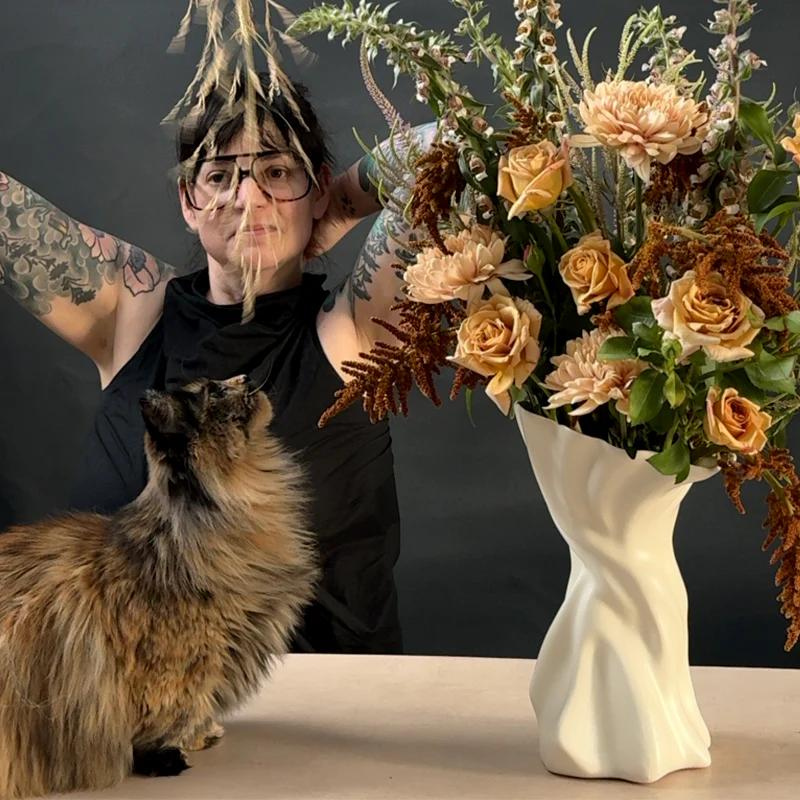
122 638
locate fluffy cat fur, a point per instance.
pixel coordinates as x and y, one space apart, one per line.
122 638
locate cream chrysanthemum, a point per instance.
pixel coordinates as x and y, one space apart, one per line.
474 263
645 122
582 377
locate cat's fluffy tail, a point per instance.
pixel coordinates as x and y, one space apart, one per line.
62 722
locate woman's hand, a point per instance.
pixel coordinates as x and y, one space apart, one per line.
354 196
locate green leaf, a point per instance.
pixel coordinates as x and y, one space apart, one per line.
790 322
536 260
674 390
775 324
637 309
647 396
737 379
786 207
793 321
768 186
617 348
755 119
662 422
674 460
648 333
773 374
469 395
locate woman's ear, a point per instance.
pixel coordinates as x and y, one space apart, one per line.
322 192
189 214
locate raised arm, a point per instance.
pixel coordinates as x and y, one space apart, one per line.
375 283
78 281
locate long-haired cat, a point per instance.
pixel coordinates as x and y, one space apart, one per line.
122 638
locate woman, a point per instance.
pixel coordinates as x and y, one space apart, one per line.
249 202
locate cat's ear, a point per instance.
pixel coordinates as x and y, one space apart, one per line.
160 414
196 402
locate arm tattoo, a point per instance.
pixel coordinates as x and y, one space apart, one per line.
45 254
368 175
390 236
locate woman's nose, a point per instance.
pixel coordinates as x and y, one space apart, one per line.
248 193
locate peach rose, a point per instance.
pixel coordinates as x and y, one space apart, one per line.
500 337
735 422
708 317
532 177
594 272
792 144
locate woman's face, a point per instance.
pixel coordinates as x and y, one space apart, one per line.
253 229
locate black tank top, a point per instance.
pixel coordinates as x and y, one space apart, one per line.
349 462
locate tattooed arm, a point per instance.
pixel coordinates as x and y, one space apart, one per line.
375 283
354 196
72 277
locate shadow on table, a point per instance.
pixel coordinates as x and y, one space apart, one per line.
305 757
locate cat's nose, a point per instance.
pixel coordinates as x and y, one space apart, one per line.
238 380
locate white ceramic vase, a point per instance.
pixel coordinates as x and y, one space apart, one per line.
611 688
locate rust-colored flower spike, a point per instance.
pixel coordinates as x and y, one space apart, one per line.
752 263
438 180
782 523
529 126
385 376
671 183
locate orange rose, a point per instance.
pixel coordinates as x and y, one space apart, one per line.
532 177
500 337
594 272
735 422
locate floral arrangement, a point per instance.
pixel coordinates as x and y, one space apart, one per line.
617 253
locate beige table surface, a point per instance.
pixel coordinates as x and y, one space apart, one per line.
364 727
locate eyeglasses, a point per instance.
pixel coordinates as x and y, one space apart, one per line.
217 179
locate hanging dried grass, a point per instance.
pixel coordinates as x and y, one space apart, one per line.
228 68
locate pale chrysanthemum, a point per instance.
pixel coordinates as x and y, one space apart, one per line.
645 122
581 377
475 262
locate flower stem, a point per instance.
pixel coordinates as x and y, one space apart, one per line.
638 183
778 489
559 236
584 210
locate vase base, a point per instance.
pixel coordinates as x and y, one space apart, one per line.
632 773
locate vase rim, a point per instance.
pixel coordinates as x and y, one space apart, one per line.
640 455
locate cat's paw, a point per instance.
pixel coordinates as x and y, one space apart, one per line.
214 733
159 762
204 737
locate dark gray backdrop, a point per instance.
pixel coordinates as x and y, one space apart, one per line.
83 86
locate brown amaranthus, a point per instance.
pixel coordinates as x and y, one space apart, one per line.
752 263
670 183
529 127
782 522
426 335
438 179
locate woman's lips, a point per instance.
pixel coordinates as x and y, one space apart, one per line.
254 230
